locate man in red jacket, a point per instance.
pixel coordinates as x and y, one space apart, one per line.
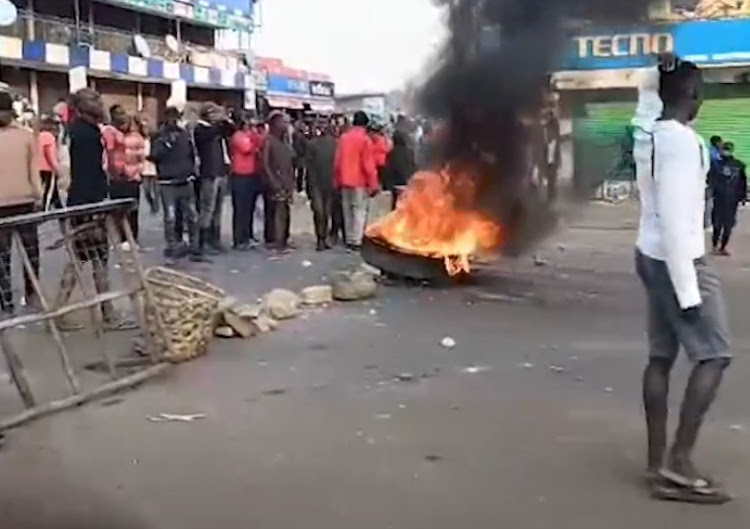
246 183
356 175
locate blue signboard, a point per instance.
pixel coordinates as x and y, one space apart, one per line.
281 84
705 42
243 6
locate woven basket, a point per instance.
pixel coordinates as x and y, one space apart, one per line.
189 310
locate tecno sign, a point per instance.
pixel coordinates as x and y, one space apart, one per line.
321 89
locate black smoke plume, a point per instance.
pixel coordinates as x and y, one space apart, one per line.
490 88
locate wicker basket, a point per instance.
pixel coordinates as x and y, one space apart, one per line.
189 309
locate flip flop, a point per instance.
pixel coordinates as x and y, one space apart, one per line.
673 486
119 325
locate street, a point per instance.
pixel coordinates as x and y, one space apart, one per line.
358 416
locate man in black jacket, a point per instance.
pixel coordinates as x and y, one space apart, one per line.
728 183
319 157
211 136
174 156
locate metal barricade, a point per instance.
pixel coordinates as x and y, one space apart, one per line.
77 246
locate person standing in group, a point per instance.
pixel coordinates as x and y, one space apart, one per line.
49 162
399 167
320 158
381 147
174 156
211 135
299 139
150 181
88 185
246 183
20 192
135 158
685 303
355 174
278 170
728 184
113 136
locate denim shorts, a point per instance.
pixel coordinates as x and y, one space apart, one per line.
704 338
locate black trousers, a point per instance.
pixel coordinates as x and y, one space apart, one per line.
30 239
51 196
178 216
724 218
277 220
321 202
338 231
127 189
245 193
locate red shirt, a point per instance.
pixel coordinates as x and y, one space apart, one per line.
114 149
382 148
355 161
244 152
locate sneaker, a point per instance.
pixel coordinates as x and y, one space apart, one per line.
125 247
724 252
197 257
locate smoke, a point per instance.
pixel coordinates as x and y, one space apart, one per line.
490 88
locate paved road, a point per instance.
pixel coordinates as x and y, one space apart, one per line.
531 421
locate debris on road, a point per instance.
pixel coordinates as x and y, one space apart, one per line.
306 264
472 369
317 295
405 377
448 342
608 389
737 428
353 286
433 458
265 323
275 392
556 369
282 304
527 365
174 417
224 331
383 416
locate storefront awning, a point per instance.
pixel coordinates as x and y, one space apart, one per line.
291 103
322 106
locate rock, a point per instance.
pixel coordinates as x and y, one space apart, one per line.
369 269
282 304
352 286
265 323
224 331
249 311
242 326
317 295
227 303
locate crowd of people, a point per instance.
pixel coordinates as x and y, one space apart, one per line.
83 154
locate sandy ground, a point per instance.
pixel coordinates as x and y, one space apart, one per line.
531 421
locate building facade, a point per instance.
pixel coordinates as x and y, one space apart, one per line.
280 86
601 71
132 50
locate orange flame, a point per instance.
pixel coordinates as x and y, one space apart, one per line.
428 221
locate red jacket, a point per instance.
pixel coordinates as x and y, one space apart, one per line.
245 146
382 148
354 166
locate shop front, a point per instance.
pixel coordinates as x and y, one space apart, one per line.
602 70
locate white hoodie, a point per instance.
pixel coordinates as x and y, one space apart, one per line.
671 166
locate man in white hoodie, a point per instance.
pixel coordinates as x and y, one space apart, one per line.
685 302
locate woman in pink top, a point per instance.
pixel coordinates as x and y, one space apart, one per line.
48 162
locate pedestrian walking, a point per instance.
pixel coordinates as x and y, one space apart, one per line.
356 176
246 183
321 155
278 168
728 184
20 192
685 304
174 156
211 136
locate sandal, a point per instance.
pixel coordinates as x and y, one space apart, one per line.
119 324
673 486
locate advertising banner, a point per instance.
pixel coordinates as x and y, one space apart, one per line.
287 85
321 89
705 42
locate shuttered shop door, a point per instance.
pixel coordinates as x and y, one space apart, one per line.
599 129
598 132
730 119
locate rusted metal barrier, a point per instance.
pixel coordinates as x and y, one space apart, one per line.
82 238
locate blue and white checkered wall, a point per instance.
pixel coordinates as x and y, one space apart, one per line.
31 53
